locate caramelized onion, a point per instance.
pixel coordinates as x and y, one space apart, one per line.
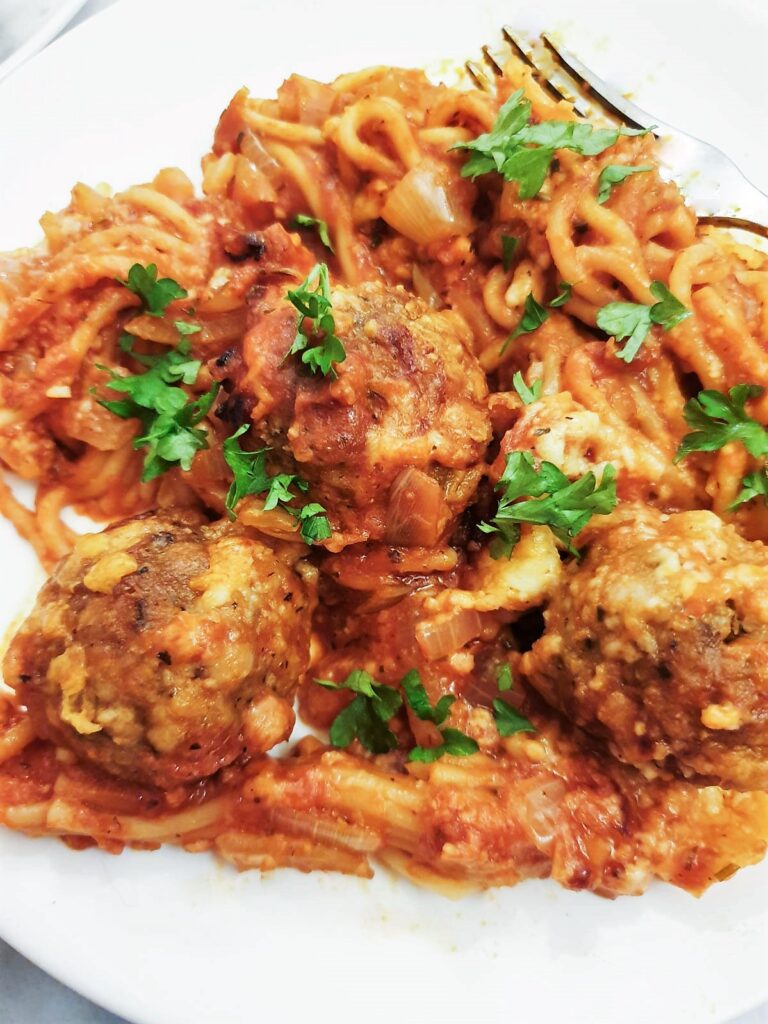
441 637
425 205
417 513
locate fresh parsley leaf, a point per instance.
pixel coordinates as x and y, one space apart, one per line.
185 328
454 742
418 701
667 311
754 485
718 419
534 315
316 306
632 320
509 246
527 394
303 220
250 476
168 415
368 715
504 677
524 152
155 295
509 721
566 290
566 509
612 175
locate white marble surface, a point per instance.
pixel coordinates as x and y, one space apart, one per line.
29 996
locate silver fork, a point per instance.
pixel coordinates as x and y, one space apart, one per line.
713 184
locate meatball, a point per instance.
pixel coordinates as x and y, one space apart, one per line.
658 642
392 445
165 647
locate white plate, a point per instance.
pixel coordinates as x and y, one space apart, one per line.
171 938
27 25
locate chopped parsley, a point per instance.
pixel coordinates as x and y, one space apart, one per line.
509 246
184 328
454 741
523 152
527 394
632 321
504 677
534 315
566 290
508 720
366 718
169 417
614 174
303 220
719 419
251 476
754 485
553 500
155 295
319 346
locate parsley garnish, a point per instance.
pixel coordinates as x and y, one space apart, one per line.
523 152
527 394
454 741
534 315
155 295
612 175
168 415
316 306
566 510
186 328
566 290
418 701
754 485
508 721
633 320
509 245
250 474
720 419
303 220
504 677
367 717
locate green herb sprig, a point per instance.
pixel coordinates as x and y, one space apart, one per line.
523 152
632 321
553 500
251 476
319 346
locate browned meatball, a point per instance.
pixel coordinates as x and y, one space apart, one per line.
164 648
658 641
392 446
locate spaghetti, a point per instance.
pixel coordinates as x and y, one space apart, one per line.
402 449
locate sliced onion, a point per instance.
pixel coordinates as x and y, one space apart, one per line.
424 288
542 805
441 637
417 513
253 149
426 205
310 826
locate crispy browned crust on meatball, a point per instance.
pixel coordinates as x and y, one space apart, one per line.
393 445
658 642
165 647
